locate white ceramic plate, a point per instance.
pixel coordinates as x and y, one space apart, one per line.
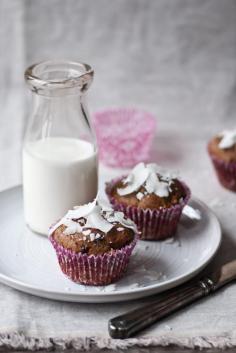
28 261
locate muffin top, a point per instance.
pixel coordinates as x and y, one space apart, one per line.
223 146
149 186
93 229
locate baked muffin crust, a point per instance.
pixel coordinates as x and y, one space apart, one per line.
96 242
93 229
151 201
226 154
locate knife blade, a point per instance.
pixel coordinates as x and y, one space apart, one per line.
129 324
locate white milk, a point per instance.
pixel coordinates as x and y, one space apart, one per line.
58 173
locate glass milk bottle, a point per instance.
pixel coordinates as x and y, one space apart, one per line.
59 152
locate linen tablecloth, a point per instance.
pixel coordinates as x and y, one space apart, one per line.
30 322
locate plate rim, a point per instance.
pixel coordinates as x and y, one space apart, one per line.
129 294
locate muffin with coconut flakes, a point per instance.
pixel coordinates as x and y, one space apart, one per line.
93 244
152 197
222 150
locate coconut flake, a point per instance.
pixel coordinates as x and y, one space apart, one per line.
92 236
110 288
191 212
95 220
169 241
133 285
139 176
86 231
81 211
128 179
167 327
166 174
146 176
119 218
154 168
105 205
55 226
95 217
154 185
71 227
140 195
228 139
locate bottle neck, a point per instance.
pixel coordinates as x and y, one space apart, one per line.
59 116
59 78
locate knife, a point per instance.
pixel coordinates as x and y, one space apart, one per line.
129 324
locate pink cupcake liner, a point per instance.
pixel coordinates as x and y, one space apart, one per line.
124 135
93 269
225 171
153 224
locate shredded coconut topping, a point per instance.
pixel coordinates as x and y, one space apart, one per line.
228 139
191 212
96 217
140 195
92 236
146 175
86 231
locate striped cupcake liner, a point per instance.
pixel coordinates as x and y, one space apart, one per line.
124 135
225 171
155 224
93 269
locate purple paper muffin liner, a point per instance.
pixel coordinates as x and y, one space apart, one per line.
124 135
93 269
153 224
225 171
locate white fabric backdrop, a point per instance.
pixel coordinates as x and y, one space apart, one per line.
11 90
174 58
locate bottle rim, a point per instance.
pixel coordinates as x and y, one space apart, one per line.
51 76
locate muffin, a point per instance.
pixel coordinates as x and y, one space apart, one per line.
222 150
93 244
152 198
